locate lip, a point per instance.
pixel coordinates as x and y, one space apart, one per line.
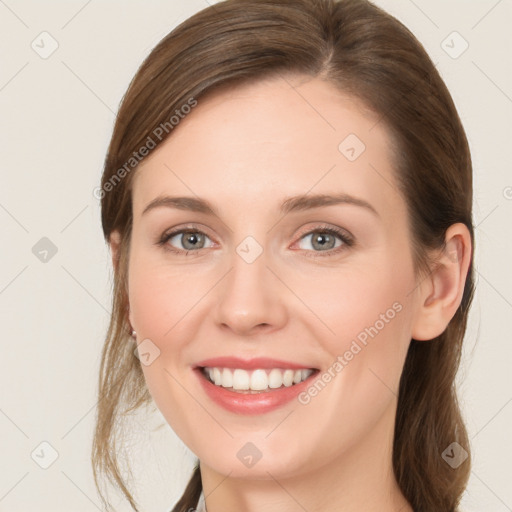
251 364
252 404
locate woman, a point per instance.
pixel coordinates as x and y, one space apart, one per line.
287 196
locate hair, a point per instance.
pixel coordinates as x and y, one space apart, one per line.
367 53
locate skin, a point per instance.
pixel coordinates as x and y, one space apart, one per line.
245 150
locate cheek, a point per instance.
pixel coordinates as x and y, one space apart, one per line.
166 308
365 313
159 296
369 316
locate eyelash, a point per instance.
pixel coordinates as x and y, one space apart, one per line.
347 240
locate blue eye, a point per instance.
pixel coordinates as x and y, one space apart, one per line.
191 239
324 238
328 240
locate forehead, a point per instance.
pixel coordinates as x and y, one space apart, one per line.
272 139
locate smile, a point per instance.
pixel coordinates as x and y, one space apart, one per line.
258 380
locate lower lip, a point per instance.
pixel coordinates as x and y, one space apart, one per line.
247 403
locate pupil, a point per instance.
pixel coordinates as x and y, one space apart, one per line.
191 238
322 239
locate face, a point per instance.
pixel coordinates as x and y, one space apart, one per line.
276 271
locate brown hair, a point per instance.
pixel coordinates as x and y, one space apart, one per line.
367 53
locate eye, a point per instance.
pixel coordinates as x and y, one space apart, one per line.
190 239
322 239
329 240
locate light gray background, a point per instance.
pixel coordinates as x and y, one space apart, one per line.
55 122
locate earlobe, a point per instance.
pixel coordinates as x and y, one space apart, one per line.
440 293
115 243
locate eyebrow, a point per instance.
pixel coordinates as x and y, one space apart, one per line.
291 204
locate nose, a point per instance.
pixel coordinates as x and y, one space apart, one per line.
250 298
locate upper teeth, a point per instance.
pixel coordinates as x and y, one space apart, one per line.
256 380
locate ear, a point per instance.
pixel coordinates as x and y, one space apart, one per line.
440 293
115 243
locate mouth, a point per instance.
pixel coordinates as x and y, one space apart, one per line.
255 381
253 386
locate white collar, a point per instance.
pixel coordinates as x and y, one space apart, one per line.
201 506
